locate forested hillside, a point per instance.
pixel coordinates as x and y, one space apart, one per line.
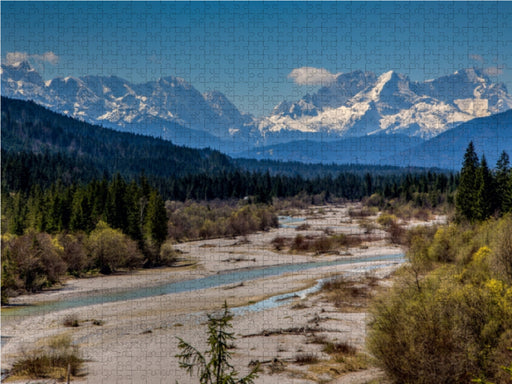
30 128
41 148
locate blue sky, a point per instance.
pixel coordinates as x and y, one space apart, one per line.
256 53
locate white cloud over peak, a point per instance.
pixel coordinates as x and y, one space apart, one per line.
312 76
13 58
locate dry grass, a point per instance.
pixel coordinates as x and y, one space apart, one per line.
50 361
306 358
303 227
350 295
339 348
363 212
316 244
344 358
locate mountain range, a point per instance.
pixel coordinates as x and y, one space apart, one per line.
359 117
360 103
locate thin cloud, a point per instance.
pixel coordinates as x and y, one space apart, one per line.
478 58
493 71
13 58
47 57
312 76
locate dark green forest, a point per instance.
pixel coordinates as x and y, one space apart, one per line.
28 128
40 147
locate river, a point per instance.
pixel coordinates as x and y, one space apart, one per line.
233 277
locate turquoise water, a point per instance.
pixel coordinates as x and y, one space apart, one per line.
278 300
289 222
11 313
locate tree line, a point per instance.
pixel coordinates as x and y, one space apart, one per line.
134 208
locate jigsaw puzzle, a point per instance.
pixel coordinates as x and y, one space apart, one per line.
256 192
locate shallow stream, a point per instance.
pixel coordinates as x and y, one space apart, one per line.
233 277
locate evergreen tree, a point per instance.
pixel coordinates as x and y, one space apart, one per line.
136 202
504 183
467 193
116 204
486 196
18 212
156 224
368 184
213 366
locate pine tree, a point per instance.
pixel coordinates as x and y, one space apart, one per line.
467 193
156 224
486 196
504 183
116 204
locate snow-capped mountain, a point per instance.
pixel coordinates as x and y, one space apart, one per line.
356 104
360 103
169 107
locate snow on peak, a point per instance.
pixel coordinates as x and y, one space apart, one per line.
23 66
391 103
355 104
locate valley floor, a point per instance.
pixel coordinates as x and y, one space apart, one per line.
137 339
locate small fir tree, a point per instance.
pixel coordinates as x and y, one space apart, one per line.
213 366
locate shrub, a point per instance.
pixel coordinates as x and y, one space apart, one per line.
200 220
323 244
339 348
303 227
74 253
299 243
111 249
306 358
279 243
360 213
375 200
35 260
501 245
50 361
386 220
168 255
71 321
441 331
396 233
368 226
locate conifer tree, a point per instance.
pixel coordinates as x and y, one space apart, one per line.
504 183
213 366
486 196
467 193
156 223
116 204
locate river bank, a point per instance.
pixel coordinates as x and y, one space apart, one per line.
137 339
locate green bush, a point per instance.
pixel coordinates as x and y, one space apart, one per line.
111 249
442 328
